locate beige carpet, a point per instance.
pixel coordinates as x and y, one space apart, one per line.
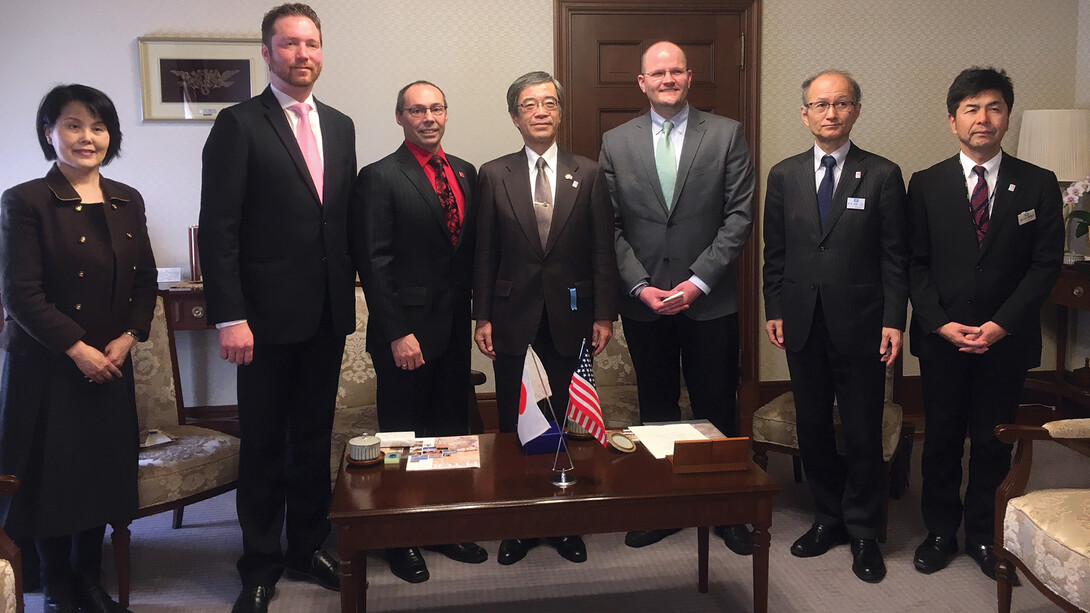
192 569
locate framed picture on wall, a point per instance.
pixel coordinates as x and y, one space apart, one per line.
192 79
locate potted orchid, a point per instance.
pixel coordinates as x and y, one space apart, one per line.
1072 213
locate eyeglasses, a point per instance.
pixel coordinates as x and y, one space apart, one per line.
821 106
529 106
417 112
659 75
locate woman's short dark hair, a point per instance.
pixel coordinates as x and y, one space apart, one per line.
99 105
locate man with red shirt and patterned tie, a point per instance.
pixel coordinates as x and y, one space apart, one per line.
414 244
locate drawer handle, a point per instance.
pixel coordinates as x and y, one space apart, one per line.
198 311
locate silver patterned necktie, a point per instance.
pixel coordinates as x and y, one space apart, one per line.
543 202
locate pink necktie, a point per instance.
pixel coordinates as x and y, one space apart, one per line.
308 144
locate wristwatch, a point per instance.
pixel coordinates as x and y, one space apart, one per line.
133 334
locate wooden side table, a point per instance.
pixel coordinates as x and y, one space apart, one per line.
185 311
1072 291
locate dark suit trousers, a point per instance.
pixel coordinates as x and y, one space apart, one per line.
847 489
974 394
705 351
508 372
286 399
432 400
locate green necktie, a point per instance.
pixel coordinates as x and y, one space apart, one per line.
666 163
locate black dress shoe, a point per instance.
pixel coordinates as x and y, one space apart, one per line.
470 553
513 550
819 539
571 548
94 599
323 570
984 556
867 561
254 599
643 538
59 606
737 538
935 553
408 564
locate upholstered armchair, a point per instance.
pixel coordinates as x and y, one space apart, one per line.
197 464
1045 532
774 429
11 565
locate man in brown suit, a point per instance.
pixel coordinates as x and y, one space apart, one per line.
545 271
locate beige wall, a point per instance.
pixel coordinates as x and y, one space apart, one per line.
903 53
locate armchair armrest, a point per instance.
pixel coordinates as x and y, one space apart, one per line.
1071 433
8 551
8 485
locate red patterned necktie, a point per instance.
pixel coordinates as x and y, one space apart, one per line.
978 205
446 198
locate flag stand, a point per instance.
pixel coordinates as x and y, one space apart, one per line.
562 477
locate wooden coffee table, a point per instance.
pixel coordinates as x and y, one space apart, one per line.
510 496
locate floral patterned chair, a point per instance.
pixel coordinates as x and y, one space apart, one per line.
1045 532
356 411
11 567
197 464
615 381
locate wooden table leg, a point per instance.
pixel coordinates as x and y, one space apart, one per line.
354 583
702 559
761 540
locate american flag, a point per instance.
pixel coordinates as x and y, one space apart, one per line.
583 406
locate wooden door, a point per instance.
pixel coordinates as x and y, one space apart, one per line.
598 48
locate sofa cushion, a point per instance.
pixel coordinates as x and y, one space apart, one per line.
1049 531
197 460
775 423
7 587
349 422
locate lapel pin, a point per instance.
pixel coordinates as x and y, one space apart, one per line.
568 176
575 183
461 174
859 174
1010 188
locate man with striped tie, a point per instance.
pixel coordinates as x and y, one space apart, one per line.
986 244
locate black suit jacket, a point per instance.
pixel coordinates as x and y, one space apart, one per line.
515 280
1006 280
271 252
414 279
55 291
858 264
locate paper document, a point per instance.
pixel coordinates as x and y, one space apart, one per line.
659 440
396 439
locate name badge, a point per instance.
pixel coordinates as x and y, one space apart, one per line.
572 295
1027 216
857 204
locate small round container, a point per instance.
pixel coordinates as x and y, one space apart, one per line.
364 448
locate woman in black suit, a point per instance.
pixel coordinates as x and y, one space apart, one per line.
78 282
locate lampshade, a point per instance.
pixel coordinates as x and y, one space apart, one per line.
1057 139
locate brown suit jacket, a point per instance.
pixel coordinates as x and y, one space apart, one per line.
516 281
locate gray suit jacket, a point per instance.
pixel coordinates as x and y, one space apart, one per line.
858 264
702 233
